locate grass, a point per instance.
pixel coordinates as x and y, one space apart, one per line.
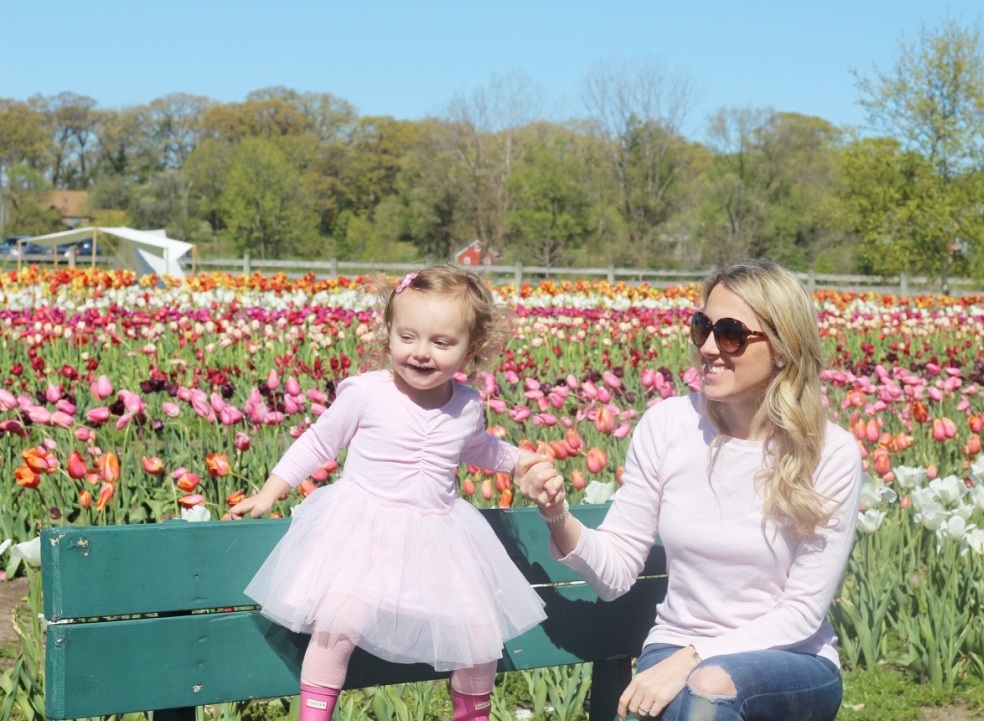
889 694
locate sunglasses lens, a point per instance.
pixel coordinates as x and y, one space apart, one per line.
700 329
730 334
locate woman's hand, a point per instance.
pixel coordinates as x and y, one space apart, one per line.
539 481
652 690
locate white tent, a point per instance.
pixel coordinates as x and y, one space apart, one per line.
143 251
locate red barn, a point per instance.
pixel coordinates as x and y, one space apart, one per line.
472 254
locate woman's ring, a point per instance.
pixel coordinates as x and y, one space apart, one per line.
644 711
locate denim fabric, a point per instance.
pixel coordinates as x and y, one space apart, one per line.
771 685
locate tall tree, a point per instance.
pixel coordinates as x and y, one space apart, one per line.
266 207
637 109
932 102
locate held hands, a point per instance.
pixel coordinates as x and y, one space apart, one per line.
539 481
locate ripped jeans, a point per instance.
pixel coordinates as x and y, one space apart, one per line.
771 685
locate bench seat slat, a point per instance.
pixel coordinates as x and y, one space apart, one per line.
109 570
106 667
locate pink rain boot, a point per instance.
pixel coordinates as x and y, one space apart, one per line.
317 703
470 708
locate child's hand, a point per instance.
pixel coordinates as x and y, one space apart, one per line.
254 507
538 480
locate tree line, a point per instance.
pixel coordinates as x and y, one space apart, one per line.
285 174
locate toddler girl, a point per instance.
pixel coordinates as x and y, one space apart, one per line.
388 558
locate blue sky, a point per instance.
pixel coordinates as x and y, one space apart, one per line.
409 59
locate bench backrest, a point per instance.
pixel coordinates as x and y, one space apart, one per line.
153 616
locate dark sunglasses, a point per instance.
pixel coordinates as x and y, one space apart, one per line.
730 335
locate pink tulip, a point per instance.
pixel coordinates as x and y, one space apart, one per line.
7 400
171 410
604 420
52 393
84 434
101 388
242 442
273 380
316 396
14 428
292 387
66 406
217 402
544 419
230 415
611 379
520 414
62 420
622 431
39 415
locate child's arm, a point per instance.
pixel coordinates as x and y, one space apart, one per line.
261 503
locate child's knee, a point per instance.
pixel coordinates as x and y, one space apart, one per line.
712 681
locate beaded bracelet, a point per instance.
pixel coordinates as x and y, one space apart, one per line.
559 517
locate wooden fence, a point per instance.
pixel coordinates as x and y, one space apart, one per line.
520 273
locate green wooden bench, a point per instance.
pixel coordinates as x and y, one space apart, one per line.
153 617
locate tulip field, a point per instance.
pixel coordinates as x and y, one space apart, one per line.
125 402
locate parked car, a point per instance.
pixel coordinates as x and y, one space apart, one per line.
83 249
18 243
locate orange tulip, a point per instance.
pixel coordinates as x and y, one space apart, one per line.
919 412
502 481
573 439
105 493
596 460
85 498
577 478
881 463
26 477
76 465
487 489
307 488
109 467
218 465
505 500
235 497
153 465
468 487
36 459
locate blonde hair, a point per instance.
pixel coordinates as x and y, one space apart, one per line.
487 322
792 398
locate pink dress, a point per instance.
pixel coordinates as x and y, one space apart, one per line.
388 555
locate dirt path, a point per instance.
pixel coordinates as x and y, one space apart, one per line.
12 595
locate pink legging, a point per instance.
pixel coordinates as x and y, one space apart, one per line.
327 656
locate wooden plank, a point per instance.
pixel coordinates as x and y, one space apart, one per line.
108 667
97 571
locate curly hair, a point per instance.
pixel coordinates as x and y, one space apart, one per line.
793 397
488 322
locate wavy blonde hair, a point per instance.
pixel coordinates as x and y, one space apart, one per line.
792 398
488 322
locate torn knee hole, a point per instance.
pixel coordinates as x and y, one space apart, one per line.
712 681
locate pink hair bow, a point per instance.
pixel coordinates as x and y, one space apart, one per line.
407 280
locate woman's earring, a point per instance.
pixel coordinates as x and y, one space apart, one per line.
780 364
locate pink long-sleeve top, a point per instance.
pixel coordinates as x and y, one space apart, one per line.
736 582
397 450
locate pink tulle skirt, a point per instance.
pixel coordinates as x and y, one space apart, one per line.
406 586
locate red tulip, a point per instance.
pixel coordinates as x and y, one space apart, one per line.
153 465
76 465
191 501
188 482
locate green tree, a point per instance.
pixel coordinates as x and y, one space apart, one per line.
932 102
265 206
551 215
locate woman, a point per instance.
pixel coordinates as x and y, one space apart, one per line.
755 499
